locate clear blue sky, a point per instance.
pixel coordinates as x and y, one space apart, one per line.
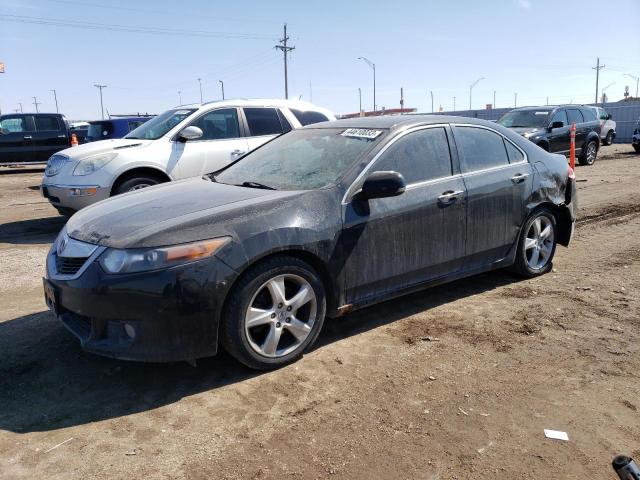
537 48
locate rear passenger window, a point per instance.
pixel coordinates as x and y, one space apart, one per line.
574 116
11 125
419 156
46 123
135 124
263 121
307 118
590 116
513 153
481 149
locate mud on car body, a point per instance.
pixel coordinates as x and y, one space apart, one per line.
317 222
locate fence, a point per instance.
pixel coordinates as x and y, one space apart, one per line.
625 114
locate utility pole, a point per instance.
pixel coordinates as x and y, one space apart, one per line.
310 92
431 91
285 49
55 97
36 103
471 89
454 104
20 103
401 99
515 100
360 97
637 79
100 87
200 82
494 99
547 100
222 86
179 97
373 67
597 68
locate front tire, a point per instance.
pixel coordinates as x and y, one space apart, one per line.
274 313
137 182
536 245
589 154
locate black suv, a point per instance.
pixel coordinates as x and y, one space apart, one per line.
548 127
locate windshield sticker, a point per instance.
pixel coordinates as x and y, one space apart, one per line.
361 133
541 113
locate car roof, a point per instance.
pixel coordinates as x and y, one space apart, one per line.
258 102
393 122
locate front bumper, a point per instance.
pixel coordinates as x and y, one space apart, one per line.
73 197
160 316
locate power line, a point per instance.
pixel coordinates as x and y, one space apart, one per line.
285 50
129 28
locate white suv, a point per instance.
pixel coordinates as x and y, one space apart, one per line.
186 141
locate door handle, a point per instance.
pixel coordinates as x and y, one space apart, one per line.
519 177
237 153
62 136
449 196
28 137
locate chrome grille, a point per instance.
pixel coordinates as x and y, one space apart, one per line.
69 265
54 164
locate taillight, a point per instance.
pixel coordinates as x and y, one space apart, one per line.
571 174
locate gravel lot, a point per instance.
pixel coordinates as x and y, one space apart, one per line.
456 382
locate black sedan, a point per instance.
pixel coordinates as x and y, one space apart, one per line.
317 222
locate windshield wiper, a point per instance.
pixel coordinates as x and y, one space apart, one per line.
254 185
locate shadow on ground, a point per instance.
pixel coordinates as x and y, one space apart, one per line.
47 382
36 230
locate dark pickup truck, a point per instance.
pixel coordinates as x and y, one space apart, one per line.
32 137
548 127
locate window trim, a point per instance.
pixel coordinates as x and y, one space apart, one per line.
497 167
348 195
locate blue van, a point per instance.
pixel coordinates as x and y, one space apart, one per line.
113 128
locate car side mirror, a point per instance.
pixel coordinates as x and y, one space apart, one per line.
190 133
557 124
382 185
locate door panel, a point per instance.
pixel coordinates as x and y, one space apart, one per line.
221 143
400 241
50 137
16 140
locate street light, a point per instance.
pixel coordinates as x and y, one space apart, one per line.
636 79
373 67
222 85
200 82
360 99
179 97
612 83
471 89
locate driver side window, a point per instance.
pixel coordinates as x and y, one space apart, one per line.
560 116
219 124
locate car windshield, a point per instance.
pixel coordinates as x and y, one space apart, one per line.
525 118
160 125
303 159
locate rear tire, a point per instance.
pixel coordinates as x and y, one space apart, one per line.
274 313
608 140
589 153
536 245
137 182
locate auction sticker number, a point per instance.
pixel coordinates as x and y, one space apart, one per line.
361 133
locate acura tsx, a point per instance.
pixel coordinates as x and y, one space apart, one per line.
315 223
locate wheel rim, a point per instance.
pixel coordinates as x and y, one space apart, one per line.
591 152
538 244
280 315
139 186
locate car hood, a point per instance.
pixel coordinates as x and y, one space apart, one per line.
171 213
102 146
523 130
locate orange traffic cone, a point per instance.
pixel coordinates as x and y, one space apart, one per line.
74 140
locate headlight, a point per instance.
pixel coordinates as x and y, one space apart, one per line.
91 164
54 164
141 260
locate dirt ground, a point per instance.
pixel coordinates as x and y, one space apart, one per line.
455 382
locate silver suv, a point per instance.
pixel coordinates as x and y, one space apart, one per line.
607 126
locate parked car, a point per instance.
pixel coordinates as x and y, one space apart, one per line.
320 221
183 142
80 129
548 127
635 140
32 137
607 125
113 127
